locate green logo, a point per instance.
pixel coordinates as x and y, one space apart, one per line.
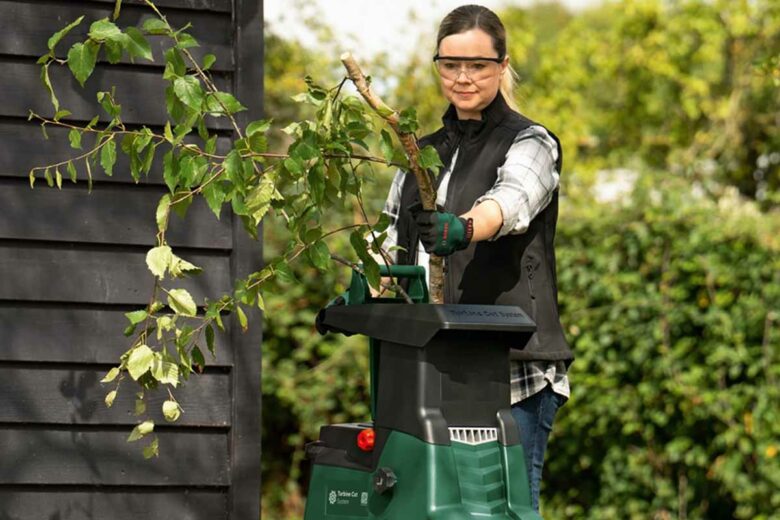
347 500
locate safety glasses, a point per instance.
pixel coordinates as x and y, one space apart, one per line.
475 68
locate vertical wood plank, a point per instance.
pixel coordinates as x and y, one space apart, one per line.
247 257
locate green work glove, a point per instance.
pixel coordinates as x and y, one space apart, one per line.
441 233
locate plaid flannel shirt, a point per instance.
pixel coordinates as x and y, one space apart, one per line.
524 187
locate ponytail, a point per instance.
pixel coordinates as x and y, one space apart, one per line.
508 81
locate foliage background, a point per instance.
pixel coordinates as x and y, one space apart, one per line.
668 247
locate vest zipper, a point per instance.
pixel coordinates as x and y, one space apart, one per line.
448 199
447 205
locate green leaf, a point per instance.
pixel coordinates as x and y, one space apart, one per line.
167 132
142 141
48 177
234 168
81 60
92 123
215 197
74 136
140 361
113 51
89 175
258 200
258 143
242 318
408 121
294 166
163 212
189 91
217 100
58 177
165 372
145 428
305 149
316 180
137 44
284 273
170 171
155 26
47 83
180 267
182 203
371 268
136 317
386 145
71 168
211 144
105 30
59 35
62 113
32 178
197 358
158 260
153 449
181 302
111 375
208 61
140 406
108 157
382 223
174 64
110 398
146 166
106 100
429 159
186 40
210 340
171 410
320 255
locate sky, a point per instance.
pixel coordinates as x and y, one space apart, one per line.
367 27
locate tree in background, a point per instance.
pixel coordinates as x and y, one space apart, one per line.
675 85
669 287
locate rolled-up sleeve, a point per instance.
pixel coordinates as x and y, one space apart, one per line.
526 181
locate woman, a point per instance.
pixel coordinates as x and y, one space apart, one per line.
499 194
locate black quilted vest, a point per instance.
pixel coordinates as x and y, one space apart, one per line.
512 270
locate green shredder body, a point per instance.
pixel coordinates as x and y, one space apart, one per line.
446 445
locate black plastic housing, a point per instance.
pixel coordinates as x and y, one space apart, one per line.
439 366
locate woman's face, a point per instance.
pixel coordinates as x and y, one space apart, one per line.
471 96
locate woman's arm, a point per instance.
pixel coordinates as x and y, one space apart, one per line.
487 218
523 188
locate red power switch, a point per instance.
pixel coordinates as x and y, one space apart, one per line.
365 439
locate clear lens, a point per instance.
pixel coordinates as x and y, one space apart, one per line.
475 70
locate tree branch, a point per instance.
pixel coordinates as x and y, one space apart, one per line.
409 143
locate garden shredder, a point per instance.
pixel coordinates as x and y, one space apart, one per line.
443 443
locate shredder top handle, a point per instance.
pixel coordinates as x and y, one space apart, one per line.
417 288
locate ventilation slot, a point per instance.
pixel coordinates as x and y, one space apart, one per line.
473 436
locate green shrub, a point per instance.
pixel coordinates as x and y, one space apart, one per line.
672 305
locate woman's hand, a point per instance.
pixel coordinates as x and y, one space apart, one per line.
442 233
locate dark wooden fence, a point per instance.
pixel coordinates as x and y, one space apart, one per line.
71 263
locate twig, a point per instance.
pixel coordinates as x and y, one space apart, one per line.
355 267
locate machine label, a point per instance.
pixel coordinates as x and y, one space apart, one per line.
344 499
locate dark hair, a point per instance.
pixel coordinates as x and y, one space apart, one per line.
468 17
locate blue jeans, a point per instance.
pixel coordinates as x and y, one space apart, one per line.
534 417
